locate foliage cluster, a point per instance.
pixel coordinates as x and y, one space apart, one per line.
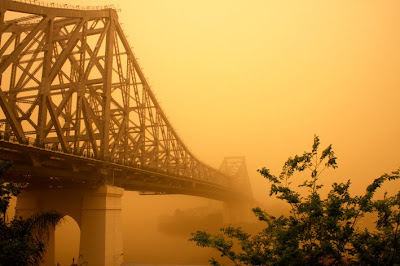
22 241
319 230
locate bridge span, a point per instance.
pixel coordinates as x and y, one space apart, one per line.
81 124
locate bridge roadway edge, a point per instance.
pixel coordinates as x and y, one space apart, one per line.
40 167
52 11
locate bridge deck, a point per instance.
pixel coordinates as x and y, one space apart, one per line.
40 167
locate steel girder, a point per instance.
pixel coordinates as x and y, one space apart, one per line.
69 81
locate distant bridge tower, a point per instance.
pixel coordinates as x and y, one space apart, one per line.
237 210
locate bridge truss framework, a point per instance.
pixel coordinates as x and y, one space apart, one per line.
74 99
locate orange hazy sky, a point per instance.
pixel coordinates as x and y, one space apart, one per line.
259 78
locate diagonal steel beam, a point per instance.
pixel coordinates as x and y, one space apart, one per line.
93 55
30 63
89 128
12 118
120 133
58 110
14 55
66 51
91 114
7 43
54 117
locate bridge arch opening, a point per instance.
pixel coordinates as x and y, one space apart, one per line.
67 240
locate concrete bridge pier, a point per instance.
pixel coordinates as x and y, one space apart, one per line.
101 226
96 211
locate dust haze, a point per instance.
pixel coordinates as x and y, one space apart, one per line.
258 79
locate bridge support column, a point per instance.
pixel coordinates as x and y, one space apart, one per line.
97 211
101 228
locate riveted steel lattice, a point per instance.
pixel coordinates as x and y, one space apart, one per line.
70 83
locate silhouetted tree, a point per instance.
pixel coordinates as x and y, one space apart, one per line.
7 190
22 241
318 230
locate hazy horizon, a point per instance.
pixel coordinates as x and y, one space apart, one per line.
259 78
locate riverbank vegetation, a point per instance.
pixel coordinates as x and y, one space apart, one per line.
321 229
22 241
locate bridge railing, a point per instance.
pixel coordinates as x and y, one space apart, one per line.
66 6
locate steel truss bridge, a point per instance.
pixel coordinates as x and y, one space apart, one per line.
76 109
